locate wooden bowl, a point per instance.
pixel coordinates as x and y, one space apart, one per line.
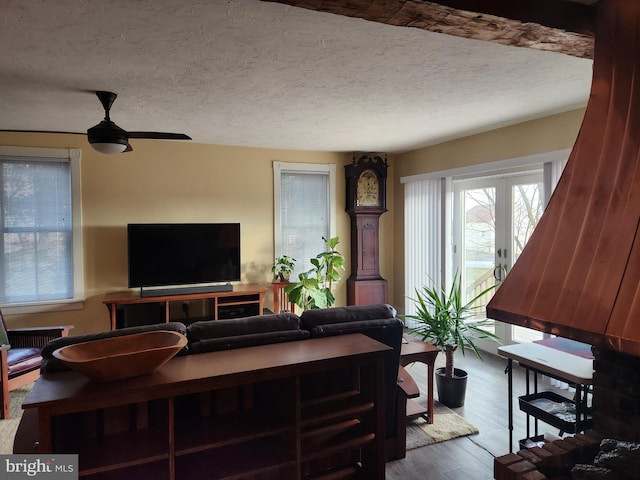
122 357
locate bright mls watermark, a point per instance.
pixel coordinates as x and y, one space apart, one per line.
51 467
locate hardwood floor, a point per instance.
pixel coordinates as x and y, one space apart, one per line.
471 458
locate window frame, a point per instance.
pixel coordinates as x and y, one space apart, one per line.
279 168
73 155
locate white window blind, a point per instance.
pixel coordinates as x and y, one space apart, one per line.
552 171
36 217
423 237
304 210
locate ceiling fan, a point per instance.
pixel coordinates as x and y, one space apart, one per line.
107 137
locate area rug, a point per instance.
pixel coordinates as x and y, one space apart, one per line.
8 427
447 425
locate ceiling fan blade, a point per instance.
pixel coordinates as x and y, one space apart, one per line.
159 135
128 149
42 131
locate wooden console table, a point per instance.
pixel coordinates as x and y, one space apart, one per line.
244 298
416 351
256 412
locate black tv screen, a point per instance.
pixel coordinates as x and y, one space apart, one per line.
163 254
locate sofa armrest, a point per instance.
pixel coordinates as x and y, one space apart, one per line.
37 337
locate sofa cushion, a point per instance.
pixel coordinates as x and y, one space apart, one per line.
364 326
212 335
20 360
52 364
323 316
240 341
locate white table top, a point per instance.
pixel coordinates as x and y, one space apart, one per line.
567 366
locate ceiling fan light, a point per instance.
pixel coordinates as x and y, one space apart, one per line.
107 137
109 148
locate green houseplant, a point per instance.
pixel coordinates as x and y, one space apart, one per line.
283 267
446 321
314 287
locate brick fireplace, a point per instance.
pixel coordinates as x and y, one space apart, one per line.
598 454
616 395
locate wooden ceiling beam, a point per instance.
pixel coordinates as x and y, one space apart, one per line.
564 15
553 25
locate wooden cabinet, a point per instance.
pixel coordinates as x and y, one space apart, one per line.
304 409
243 301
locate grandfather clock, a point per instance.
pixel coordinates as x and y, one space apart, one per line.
366 200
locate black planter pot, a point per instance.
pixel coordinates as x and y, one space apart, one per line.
451 391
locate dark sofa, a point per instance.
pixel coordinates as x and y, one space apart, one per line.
377 321
380 323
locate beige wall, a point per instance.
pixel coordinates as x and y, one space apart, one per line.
548 134
189 182
177 182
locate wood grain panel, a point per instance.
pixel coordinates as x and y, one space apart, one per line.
554 25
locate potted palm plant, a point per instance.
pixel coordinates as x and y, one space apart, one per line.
446 321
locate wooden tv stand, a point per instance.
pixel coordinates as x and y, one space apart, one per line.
245 300
257 412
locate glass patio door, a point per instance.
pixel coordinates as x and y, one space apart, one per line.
493 218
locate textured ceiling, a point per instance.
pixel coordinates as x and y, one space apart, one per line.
251 73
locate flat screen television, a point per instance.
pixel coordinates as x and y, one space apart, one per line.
179 254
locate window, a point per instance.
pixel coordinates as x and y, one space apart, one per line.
40 219
304 210
433 247
493 219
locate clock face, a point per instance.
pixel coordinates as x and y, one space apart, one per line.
368 190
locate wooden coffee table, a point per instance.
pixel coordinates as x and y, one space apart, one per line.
417 351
